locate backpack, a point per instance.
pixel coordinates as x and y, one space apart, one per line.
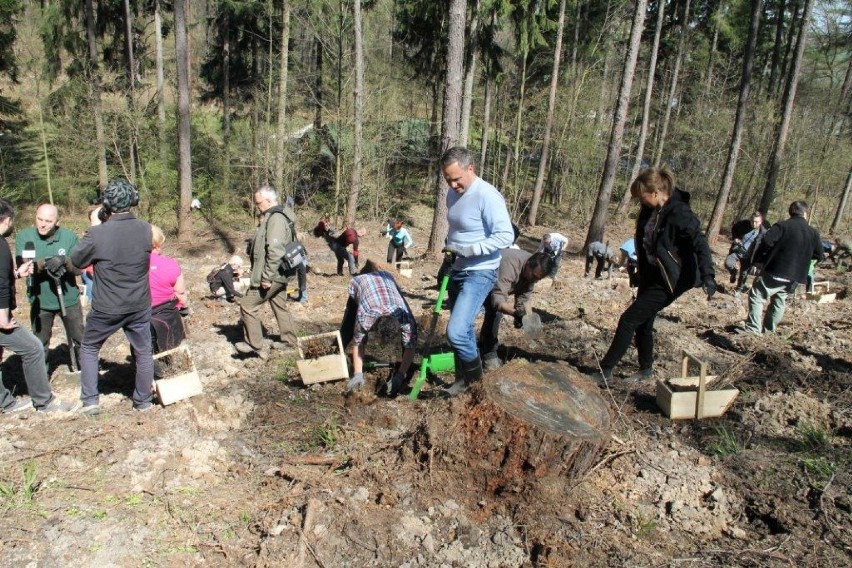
294 251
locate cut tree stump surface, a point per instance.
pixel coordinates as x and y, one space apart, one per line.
519 424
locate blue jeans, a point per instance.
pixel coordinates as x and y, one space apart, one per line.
468 290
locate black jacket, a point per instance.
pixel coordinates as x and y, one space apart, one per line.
788 248
120 251
683 256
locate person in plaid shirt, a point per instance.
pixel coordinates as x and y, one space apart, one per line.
374 294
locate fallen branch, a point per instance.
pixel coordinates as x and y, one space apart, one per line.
303 539
316 460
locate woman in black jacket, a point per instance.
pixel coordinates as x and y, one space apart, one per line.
673 257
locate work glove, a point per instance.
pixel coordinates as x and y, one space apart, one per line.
520 312
709 287
453 249
355 383
55 266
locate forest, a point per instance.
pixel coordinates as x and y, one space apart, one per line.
347 104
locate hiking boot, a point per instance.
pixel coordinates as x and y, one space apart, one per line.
640 376
19 405
246 349
491 363
57 405
472 370
90 409
395 385
602 377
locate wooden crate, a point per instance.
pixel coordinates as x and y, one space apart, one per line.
688 397
325 367
183 385
404 268
821 294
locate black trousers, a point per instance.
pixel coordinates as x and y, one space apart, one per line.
637 322
488 333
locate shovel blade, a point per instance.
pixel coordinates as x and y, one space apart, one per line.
531 324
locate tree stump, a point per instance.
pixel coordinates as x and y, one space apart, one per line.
521 423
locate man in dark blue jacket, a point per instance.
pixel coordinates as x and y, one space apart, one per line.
119 250
786 252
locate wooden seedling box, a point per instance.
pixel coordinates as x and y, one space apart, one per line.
688 397
323 368
821 293
182 385
404 268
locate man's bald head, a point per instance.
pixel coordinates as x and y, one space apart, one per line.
47 219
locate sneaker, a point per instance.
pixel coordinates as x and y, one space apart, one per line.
19 405
640 376
491 363
57 405
90 409
144 407
246 349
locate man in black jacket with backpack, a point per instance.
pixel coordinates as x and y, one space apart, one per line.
786 252
268 277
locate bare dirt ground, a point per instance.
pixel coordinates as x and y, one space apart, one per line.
260 470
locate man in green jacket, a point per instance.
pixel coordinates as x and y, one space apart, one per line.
268 279
52 245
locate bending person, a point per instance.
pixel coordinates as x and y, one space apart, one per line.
168 296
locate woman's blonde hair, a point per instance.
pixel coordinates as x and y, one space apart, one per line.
660 179
157 237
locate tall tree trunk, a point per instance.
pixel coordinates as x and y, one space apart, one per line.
780 7
576 42
516 144
355 190
452 116
486 120
470 76
737 136
791 35
548 125
646 109
338 154
268 163
318 85
131 82
844 199
661 142
777 154
600 215
226 104
95 86
185 161
282 97
161 98
708 80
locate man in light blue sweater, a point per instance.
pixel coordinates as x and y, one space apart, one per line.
479 228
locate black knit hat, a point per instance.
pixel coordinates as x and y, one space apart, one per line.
120 195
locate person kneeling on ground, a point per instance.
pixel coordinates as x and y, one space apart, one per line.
168 300
518 273
374 294
605 259
221 279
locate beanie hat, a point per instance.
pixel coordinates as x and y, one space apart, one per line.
120 195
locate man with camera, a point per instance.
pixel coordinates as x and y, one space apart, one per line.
268 276
52 289
120 251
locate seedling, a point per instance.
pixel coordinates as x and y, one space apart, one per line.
819 471
812 436
726 445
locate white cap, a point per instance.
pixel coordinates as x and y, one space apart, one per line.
236 260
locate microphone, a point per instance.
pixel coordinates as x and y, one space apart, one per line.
29 253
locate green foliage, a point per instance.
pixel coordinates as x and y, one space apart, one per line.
813 437
22 493
726 443
819 471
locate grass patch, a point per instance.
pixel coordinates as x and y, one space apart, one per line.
812 437
726 444
22 493
819 471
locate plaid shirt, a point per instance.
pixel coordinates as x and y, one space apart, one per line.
378 295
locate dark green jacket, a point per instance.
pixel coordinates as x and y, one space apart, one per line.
42 295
